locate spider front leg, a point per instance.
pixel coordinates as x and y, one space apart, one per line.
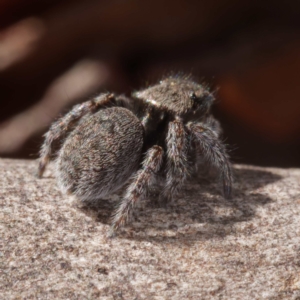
139 187
64 124
177 159
214 152
214 125
201 165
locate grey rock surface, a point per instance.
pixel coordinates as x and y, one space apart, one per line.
54 247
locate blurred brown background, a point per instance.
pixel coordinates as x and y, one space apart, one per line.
57 53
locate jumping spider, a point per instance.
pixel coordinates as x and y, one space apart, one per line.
160 131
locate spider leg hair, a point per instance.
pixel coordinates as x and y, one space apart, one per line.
177 159
214 152
214 125
138 189
65 123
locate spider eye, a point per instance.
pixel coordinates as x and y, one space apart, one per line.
193 96
196 99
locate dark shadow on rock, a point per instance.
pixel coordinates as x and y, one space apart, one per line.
200 202
100 211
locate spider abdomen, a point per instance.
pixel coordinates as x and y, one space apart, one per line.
101 154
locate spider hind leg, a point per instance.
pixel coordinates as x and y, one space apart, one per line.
59 128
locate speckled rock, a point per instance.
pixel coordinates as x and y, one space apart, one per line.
54 247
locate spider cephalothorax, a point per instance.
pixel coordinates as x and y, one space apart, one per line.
111 140
179 97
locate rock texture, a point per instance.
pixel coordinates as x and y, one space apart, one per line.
53 247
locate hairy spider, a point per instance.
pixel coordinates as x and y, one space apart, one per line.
160 131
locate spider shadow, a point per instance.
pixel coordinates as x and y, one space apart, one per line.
200 212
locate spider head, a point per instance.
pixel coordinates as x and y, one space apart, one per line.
178 96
